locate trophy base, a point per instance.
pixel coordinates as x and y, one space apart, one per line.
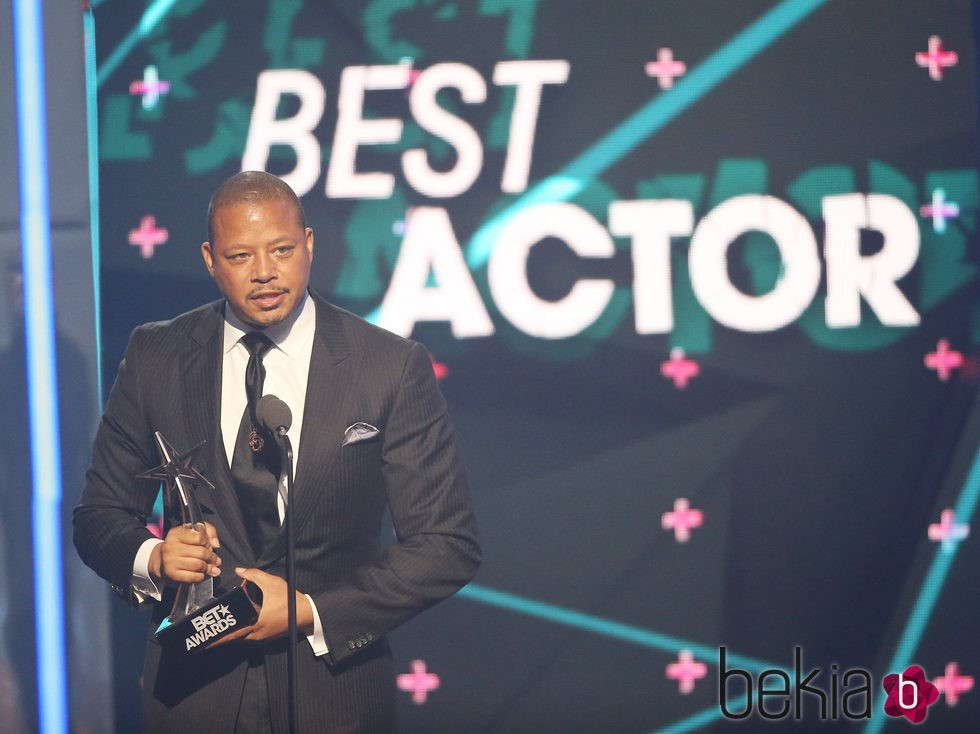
216 619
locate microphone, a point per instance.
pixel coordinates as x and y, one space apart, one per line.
273 415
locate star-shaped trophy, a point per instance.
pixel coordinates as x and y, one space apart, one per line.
198 618
178 476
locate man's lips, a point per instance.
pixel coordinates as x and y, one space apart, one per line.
268 299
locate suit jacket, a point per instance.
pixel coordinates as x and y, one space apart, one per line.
170 381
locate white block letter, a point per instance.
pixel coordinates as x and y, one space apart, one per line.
507 270
264 130
851 275
651 224
530 77
432 117
798 281
353 130
430 245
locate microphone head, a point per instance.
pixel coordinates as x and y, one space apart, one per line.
273 414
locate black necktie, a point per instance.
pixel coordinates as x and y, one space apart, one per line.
255 463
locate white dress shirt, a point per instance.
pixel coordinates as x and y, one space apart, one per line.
287 369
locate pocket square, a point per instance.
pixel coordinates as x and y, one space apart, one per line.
359 432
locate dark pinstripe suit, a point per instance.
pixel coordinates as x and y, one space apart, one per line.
170 381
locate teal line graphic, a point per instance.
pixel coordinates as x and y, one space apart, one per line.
650 118
912 635
942 562
643 123
153 15
92 141
608 628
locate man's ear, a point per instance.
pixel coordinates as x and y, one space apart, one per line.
206 254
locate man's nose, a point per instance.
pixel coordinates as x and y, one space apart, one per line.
264 267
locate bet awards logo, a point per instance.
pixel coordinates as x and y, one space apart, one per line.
210 624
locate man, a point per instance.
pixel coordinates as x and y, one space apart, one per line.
369 429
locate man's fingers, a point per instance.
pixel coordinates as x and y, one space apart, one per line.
212 535
188 571
256 576
187 554
250 574
190 554
196 565
202 534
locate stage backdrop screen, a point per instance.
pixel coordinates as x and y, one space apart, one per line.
699 281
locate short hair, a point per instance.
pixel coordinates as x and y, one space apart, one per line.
249 187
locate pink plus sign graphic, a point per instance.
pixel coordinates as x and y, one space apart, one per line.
952 684
947 531
440 369
944 360
665 68
679 368
419 682
682 520
936 58
148 236
939 210
149 87
686 670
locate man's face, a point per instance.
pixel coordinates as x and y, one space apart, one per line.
260 258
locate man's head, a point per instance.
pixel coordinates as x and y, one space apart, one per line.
259 249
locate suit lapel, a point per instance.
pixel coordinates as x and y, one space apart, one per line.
202 398
324 412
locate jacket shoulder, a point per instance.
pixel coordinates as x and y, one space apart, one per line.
193 322
361 334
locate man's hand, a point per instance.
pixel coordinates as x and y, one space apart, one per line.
273 618
186 555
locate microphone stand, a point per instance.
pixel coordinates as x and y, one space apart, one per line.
286 492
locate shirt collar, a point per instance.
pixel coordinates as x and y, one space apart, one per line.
289 336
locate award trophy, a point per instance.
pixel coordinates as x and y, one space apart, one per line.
199 618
